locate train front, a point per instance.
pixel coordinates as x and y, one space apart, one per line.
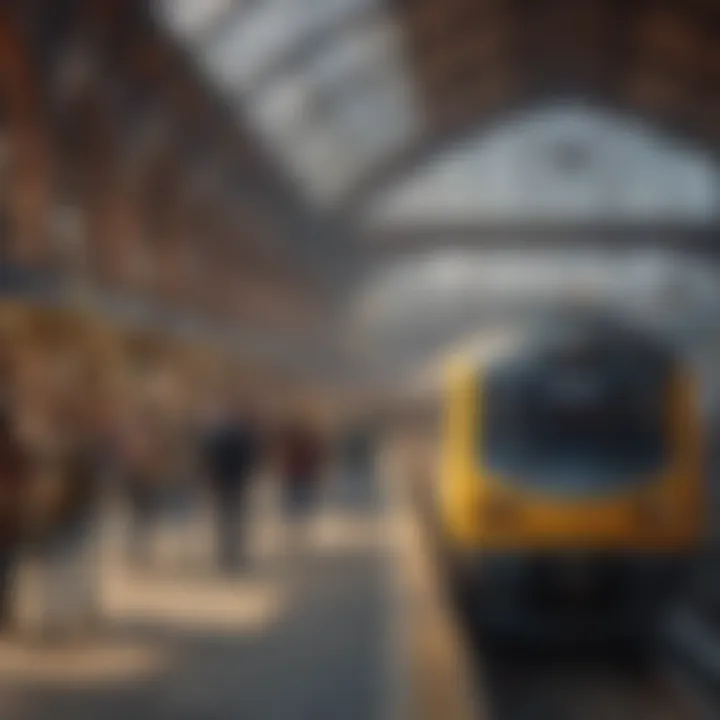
572 485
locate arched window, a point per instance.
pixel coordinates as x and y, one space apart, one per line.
564 163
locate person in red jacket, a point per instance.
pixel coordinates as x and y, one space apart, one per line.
14 470
302 459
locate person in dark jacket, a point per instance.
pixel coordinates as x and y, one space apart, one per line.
231 453
14 470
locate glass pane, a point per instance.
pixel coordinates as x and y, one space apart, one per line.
267 33
330 110
577 418
188 18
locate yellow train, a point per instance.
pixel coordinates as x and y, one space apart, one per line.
571 492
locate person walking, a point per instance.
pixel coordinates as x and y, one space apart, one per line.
358 460
14 471
231 452
302 460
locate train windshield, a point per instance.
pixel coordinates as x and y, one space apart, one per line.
584 422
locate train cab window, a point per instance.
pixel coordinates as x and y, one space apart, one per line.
579 424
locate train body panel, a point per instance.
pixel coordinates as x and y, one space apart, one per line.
513 529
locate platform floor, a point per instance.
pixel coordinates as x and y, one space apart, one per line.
302 636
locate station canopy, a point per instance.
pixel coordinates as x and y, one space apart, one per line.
424 113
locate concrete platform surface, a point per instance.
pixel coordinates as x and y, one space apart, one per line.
301 636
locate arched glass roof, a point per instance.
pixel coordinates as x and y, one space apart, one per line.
425 114
568 162
351 95
322 81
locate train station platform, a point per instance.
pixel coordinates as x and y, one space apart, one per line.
341 619
302 633
345 621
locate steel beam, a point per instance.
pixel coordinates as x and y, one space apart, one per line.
384 246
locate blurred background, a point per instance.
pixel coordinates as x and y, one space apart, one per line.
240 241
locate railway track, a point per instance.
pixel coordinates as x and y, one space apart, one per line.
563 682
566 685
589 689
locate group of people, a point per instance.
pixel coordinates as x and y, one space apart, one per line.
235 448
51 491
